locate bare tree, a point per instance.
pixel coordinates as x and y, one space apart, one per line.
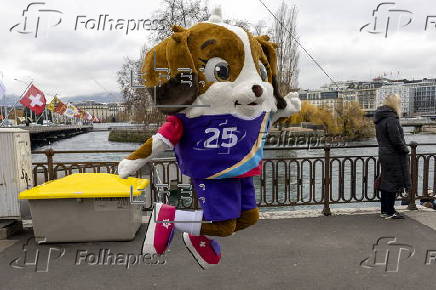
261 28
283 33
139 101
179 12
172 12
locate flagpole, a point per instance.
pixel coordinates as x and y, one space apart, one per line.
15 116
7 114
42 114
3 112
45 109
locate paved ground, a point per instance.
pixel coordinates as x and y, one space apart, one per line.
298 253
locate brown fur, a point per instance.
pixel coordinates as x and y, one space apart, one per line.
269 49
186 48
247 218
220 229
226 228
142 152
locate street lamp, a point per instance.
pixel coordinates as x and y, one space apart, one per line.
24 82
5 109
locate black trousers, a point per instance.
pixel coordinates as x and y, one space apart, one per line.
387 200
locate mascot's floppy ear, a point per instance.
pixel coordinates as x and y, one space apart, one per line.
169 72
269 48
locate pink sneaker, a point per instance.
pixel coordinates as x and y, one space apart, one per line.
207 252
159 235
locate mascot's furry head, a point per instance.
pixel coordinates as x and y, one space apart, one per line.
214 68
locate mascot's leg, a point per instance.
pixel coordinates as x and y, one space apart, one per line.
248 218
220 229
249 211
220 200
207 252
163 222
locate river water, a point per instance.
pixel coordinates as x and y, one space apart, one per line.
99 141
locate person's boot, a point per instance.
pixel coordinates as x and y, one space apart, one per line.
395 216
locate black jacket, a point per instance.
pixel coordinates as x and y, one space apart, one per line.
392 151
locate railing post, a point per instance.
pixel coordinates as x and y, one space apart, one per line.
194 197
414 176
326 211
49 153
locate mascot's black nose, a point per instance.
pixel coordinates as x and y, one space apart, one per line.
257 90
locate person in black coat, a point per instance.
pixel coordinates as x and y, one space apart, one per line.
393 155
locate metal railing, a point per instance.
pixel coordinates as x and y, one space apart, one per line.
284 181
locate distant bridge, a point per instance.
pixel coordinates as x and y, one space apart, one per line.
418 124
45 134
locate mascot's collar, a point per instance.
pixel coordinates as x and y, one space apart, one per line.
247 118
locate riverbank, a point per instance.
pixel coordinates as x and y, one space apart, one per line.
130 135
431 130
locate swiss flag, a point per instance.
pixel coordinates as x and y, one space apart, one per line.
34 99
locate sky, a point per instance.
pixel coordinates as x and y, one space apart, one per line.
68 60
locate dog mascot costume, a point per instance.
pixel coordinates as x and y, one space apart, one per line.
217 85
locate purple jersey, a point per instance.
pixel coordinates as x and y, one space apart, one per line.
221 146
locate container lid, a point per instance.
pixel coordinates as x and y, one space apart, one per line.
86 185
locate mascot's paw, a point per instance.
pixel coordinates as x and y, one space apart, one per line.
129 167
293 103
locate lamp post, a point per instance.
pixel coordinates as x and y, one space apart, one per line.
4 111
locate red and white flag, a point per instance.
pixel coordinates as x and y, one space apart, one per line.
34 99
88 116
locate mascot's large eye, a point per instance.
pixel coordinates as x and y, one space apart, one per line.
217 70
263 72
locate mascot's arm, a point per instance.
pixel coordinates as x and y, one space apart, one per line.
166 137
293 105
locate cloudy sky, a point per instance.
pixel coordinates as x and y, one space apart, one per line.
71 62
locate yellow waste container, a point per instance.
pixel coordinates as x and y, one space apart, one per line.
85 207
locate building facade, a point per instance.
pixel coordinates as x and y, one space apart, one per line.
405 93
328 100
424 98
105 112
418 97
